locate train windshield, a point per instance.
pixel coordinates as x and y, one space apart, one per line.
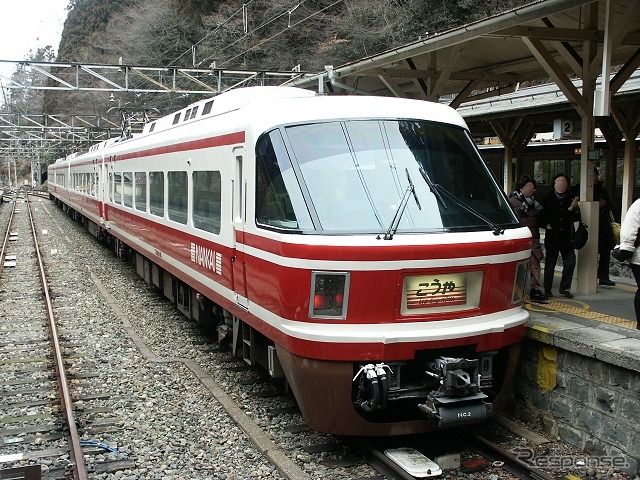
351 176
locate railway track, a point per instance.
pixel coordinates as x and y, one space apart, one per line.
39 420
168 344
465 453
43 367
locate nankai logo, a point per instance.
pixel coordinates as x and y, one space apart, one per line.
206 257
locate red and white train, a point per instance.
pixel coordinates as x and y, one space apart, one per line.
358 246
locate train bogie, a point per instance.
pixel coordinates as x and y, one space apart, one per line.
356 247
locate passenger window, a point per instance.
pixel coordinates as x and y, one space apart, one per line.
176 118
111 187
117 188
178 199
127 189
193 112
186 115
141 191
207 194
207 107
156 193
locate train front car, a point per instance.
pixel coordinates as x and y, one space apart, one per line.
390 263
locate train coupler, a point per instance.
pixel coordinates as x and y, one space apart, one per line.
456 411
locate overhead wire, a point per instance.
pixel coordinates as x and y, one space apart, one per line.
282 31
218 27
245 35
261 26
285 12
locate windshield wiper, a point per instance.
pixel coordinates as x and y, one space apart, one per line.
395 223
436 188
433 187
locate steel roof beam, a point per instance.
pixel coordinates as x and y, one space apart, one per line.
118 78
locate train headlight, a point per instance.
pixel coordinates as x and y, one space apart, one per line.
329 295
522 270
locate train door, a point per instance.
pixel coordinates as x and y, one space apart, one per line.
103 191
99 189
238 213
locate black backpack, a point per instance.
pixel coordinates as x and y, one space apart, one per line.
580 237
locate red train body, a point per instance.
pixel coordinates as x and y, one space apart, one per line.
358 247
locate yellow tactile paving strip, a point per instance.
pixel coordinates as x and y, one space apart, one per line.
571 306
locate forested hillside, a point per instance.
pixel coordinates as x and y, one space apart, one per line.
264 34
254 34
268 35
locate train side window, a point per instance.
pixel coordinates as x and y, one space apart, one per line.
117 188
193 112
111 187
176 118
207 195
186 115
140 186
545 170
178 197
207 107
156 193
127 189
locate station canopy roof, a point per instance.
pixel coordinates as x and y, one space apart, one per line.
561 41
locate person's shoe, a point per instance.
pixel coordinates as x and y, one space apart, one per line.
548 293
537 295
606 282
566 293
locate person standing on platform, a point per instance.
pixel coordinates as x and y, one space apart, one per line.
629 240
605 232
527 208
559 211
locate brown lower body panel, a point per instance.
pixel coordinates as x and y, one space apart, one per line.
323 391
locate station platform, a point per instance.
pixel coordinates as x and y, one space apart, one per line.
613 305
603 322
579 372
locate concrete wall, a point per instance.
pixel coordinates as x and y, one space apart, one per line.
580 380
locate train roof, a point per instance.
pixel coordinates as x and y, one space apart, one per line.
224 103
266 113
277 105
267 107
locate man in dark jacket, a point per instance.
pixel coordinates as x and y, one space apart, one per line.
605 232
559 211
528 209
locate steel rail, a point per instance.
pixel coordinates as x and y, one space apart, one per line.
77 455
512 463
6 235
381 463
